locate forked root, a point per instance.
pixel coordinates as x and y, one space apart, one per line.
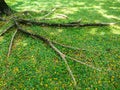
63 56
50 43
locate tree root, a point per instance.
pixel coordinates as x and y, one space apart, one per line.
50 43
66 63
71 24
8 28
11 43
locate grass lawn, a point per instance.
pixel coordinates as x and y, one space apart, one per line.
33 65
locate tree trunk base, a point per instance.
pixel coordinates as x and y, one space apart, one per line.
4 8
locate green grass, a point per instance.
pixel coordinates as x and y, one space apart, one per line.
33 65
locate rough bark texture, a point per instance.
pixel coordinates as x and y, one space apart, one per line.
4 8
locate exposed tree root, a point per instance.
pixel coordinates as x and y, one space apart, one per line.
66 63
50 43
8 28
63 56
54 48
98 69
71 24
11 43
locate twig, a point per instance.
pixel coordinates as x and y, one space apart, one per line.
54 48
4 31
49 13
11 43
63 56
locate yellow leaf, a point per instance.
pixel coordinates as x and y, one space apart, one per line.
1 39
15 70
